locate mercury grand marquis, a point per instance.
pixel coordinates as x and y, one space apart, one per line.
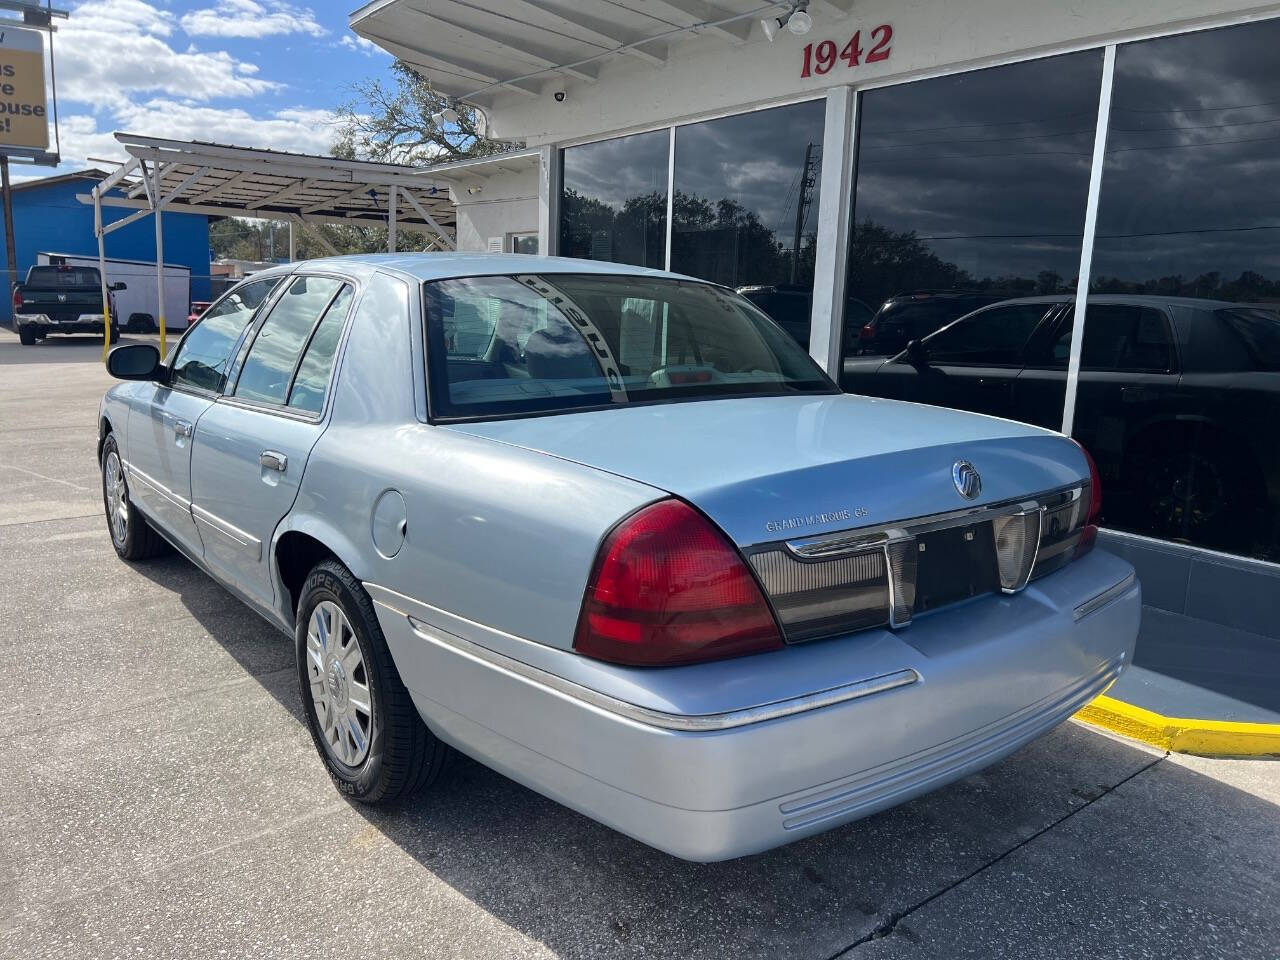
612 533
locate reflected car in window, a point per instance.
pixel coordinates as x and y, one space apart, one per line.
1177 402
790 306
613 533
908 317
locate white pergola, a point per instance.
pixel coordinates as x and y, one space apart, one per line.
218 180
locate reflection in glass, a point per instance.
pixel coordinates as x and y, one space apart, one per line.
268 368
970 190
614 200
745 207
1181 415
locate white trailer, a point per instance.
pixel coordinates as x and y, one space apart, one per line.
139 296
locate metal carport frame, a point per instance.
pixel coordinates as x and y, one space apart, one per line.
191 176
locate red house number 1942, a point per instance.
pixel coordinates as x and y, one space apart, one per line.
819 58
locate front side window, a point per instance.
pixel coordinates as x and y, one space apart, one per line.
563 342
268 368
992 337
205 353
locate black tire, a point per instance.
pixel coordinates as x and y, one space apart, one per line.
27 335
115 332
403 756
139 540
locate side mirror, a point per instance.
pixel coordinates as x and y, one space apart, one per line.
120 285
134 361
917 354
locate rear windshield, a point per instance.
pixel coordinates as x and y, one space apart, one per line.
513 345
63 277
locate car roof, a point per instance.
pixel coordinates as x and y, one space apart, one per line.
1133 299
442 266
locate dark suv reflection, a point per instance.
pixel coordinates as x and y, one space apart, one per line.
911 316
1178 401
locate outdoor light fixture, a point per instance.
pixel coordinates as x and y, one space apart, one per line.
447 115
797 20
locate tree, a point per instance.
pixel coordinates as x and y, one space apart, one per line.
393 122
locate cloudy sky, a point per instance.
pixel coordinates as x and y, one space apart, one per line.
254 72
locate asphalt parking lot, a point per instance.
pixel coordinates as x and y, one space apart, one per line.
164 800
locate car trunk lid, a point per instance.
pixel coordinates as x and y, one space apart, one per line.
773 468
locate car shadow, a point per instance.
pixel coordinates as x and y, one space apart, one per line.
1091 824
62 348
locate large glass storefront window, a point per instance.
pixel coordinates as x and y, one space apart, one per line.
745 207
968 219
613 205
1179 392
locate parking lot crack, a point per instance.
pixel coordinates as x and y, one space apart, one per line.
889 924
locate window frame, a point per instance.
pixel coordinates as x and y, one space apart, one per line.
1064 321
435 418
283 409
234 355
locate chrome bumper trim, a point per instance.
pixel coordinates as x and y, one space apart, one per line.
686 723
1096 603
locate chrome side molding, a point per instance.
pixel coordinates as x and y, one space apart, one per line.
394 603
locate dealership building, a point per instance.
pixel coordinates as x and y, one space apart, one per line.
1092 190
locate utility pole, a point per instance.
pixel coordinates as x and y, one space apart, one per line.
10 248
808 180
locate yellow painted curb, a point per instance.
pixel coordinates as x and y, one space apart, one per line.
1211 738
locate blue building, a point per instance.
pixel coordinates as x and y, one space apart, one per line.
48 218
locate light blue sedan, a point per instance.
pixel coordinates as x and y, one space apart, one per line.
612 533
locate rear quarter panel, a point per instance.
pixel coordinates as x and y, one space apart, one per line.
495 534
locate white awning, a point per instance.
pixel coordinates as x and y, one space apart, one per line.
190 176
475 50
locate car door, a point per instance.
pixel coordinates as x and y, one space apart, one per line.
253 442
972 362
163 417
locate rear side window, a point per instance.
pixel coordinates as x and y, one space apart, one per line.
205 353
307 392
63 277
1258 334
268 368
1120 337
996 336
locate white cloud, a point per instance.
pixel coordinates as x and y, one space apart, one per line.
296 129
249 18
109 49
117 70
367 47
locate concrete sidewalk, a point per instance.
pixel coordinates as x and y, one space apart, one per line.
164 799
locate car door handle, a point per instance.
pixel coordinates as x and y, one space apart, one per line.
273 461
181 428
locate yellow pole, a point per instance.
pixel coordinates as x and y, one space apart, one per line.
102 273
157 213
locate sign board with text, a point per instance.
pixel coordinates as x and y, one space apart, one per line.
24 118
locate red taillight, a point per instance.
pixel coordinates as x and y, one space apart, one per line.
1090 532
668 588
17 299
867 332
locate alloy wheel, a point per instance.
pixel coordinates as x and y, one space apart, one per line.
340 694
117 497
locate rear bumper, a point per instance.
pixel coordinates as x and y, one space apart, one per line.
886 717
84 323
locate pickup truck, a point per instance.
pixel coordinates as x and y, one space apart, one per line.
60 298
